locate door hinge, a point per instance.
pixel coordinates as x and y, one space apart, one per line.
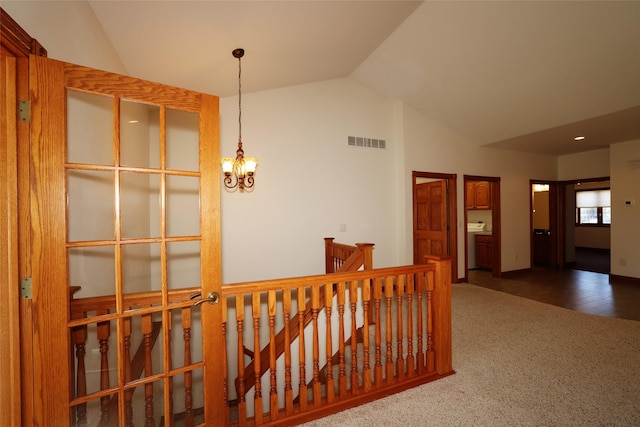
24 110
25 288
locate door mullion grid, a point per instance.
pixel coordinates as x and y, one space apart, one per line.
166 314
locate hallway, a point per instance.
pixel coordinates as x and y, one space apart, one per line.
578 290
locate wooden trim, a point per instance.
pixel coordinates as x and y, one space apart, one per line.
496 222
514 273
452 210
50 301
557 225
15 225
16 41
428 357
625 279
9 273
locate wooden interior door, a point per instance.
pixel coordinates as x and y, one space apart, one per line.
430 220
125 229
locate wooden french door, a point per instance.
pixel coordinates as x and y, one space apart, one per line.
125 233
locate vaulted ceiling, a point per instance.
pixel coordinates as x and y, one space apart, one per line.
520 75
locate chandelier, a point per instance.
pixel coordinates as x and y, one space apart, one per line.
238 172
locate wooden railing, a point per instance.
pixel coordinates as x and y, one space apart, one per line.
138 362
368 333
340 257
324 370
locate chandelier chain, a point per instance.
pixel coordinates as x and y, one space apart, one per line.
238 172
239 99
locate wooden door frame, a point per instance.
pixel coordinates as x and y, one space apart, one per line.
452 216
496 247
16 398
557 224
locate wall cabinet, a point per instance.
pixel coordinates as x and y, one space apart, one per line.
484 249
478 195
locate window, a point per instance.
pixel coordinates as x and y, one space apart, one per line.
593 207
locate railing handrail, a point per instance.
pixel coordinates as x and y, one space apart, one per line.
320 279
347 256
351 258
108 302
423 327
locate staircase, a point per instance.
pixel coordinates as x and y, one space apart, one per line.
339 258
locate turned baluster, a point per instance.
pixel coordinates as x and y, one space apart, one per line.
166 316
242 404
366 303
420 323
103 331
410 357
273 380
188 376
225 367
315 308
400 335
388 292
148 369
377 296
430 353
342 374
288 388
353 300
328 301
79 336
302 396
128 409
257 398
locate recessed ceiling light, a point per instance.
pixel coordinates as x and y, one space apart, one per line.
579 138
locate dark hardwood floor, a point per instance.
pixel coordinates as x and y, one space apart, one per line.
585 291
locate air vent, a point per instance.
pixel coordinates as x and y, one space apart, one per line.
358 141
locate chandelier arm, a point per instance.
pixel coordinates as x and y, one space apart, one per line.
230 182
248 181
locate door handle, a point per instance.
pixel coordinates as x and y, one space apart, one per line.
212 298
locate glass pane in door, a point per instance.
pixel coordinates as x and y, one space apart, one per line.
90 133
182 140
118 193
139 134
183 205
90 205
140 204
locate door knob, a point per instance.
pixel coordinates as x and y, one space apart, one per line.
212 298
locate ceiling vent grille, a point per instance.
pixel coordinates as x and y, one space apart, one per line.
358 141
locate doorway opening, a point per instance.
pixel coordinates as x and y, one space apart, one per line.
435 217
559 238
482 224
588 225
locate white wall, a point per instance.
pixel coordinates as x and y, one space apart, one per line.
590 164
68 30
625 227
309 182
430 147
295 204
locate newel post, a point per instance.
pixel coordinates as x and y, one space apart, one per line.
367 254
328 255
442 314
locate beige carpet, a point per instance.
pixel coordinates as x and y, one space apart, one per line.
519 362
